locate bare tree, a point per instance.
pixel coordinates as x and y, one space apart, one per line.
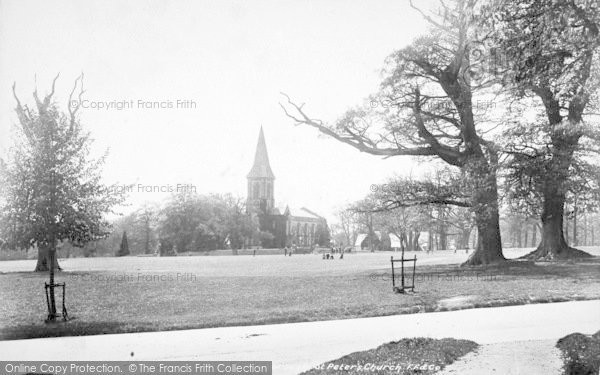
348 222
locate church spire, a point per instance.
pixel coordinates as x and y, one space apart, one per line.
261 167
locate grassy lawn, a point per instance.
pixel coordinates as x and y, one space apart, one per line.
407 356
132 294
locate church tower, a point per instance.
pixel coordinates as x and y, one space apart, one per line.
261 180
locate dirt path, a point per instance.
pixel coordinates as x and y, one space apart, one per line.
539 357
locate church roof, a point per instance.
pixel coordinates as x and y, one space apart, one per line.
301 212
261 167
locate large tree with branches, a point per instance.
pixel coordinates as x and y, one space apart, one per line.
51 188
549 52
425 107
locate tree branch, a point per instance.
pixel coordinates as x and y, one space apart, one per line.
358 141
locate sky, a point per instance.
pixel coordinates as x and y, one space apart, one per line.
217 68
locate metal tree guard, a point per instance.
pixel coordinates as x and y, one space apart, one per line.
52 314
50 298
403 286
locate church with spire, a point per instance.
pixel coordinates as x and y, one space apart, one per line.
287 226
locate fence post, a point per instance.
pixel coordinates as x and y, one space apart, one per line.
402 273
414 268
393 277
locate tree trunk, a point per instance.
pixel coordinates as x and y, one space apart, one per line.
147 241
371 232
585 229
566 229
43 260
402 241
416 246
487 219
443 235
464 238
47 258
52 260
553 244
575 242
430 240
489 248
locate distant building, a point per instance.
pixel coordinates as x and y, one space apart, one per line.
395 242
288 226
364 242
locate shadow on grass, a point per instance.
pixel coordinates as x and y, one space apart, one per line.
524 268
71 328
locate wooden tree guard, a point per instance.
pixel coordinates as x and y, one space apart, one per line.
52 315
403 286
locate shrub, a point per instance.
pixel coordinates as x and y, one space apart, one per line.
581 353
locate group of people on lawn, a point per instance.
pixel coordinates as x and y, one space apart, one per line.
334 250
288 251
